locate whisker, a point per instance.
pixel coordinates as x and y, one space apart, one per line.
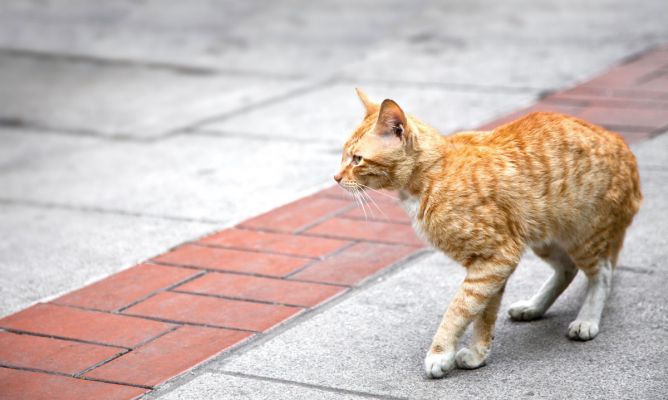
368 198
358 192
378 191
365 198
357 200
349 194
372 201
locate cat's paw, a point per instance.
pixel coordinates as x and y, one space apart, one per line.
582 330
524 311
468 359
438 364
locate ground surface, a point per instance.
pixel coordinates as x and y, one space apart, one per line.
134 127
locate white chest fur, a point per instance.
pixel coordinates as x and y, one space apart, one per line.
412 206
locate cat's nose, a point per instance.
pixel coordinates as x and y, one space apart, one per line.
338 178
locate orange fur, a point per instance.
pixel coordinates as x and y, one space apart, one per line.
564 187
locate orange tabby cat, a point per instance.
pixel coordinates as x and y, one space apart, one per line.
559 185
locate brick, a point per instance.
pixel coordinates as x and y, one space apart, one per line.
15 384
389 212
605 102
355 264
651 119
168 356
635 93
92 326
126 287
48 354
635 137
573 110
623 76
297 215
233 260
584 92
367 230
262 289
609 112
646 73
656 82
657 58
213 311
313 247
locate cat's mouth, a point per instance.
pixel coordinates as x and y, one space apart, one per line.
352 187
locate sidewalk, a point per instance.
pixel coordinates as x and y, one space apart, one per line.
186 148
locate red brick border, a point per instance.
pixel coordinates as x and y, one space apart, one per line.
127 333
631 98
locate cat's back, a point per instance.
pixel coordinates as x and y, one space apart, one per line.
568 156
548 144
561 136
551 169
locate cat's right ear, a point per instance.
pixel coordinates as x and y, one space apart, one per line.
369 106
391 120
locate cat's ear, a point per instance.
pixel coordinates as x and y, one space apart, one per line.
391 119
369 106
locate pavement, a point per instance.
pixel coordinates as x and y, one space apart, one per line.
132 128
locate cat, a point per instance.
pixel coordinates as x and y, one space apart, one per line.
561 186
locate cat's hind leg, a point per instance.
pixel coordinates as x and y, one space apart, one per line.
596 257
586 325
564 272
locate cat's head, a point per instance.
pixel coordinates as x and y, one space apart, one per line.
378 154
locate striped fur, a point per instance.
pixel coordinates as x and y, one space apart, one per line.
559 185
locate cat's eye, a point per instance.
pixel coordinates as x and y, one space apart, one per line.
356 160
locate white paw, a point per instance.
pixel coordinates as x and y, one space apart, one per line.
467 359
524 311
582 330
438 364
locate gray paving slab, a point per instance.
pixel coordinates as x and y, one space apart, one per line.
46 251
118 100
331 113
539 23
545 46
508 65
20 147
215 385
284 38
646 244
653 154
223 180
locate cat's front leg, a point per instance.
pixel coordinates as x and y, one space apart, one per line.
482 287
483 334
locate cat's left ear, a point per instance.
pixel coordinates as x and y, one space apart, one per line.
391 119
369 106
